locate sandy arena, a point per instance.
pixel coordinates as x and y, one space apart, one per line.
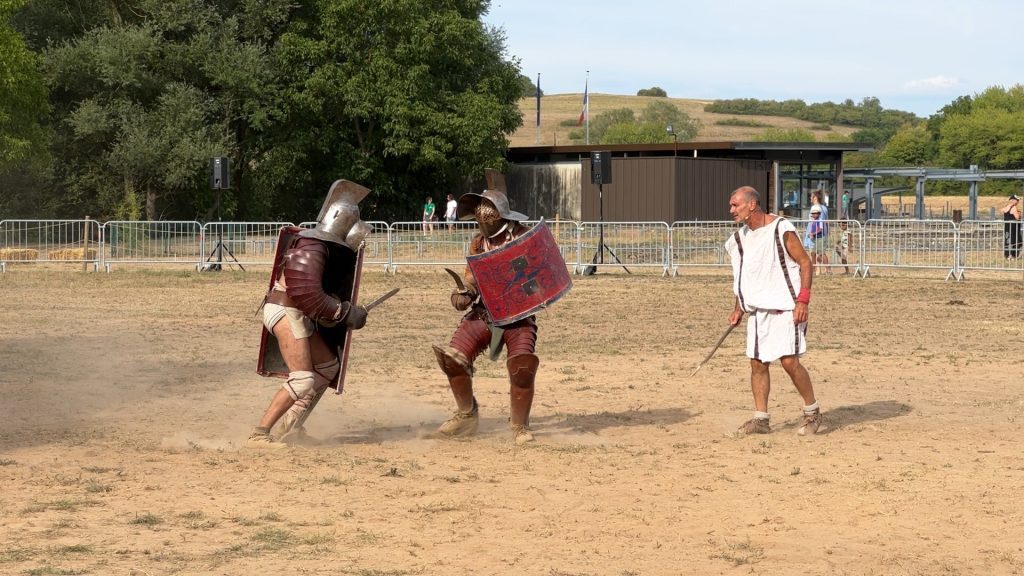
128 397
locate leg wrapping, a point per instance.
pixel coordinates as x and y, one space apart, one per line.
299 384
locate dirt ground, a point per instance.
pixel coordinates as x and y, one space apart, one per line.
128 396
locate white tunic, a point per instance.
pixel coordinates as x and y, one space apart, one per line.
758 277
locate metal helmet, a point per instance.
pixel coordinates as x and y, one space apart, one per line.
339 221
490 209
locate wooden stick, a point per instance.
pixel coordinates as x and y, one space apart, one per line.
713 350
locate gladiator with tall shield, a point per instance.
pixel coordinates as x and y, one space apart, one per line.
309 313
512 272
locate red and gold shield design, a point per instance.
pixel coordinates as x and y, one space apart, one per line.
521 277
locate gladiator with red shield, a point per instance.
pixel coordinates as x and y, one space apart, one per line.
512 272
309 313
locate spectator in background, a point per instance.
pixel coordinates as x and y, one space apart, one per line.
843 246
451 212
816 238
428 215
844 206
1011 228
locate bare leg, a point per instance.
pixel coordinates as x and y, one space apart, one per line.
297 355
760 384
801 379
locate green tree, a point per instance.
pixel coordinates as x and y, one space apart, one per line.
414 99
785 135
635 133
666 114
990 134
655 91
912 145
528 88
23 104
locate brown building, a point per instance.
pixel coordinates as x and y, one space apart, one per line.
672 182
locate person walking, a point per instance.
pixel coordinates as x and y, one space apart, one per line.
772 282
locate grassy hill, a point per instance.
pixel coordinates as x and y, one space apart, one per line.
558 107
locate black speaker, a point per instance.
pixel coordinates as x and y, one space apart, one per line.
601 168
220 173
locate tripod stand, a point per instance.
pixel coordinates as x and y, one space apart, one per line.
219 248
601 246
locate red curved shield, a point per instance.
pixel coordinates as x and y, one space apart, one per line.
521 277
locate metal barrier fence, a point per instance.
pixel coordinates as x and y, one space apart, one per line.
624 244
240 243
585 246
700 244
75 241
986 245
910 244
448 243
140 242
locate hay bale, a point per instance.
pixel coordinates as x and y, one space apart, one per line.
74 254
18 254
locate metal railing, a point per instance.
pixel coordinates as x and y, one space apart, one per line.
74 241
624 244
586 246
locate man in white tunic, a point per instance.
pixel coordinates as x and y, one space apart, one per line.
772 282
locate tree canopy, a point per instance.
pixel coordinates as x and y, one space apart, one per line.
405 97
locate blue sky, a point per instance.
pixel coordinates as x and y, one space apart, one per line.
913 55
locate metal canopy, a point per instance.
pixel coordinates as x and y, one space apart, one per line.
970 175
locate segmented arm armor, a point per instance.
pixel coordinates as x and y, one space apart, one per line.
304 268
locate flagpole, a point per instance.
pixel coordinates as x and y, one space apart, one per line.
537 138
586 105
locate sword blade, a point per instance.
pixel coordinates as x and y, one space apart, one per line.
381 298
458 279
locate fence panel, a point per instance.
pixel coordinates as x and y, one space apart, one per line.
910 244
839 247
624 244
240 243
446 245
69 241
988 245
139 242
700 244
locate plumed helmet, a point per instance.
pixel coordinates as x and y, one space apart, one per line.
339 221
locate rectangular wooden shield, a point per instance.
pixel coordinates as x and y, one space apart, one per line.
348 272
521 277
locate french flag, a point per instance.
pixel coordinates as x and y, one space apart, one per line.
586 104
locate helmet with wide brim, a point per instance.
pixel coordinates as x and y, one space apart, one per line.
339 220
470 200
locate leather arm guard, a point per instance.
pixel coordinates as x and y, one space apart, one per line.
304 268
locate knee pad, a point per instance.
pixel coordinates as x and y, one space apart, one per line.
522 370
326 372
452 362
299 384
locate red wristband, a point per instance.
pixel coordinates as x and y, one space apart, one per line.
805 296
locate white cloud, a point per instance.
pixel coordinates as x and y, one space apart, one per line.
934 83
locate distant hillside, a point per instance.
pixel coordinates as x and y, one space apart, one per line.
556 108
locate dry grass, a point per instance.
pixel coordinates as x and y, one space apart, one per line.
557 108
122 446
76 254
18 254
